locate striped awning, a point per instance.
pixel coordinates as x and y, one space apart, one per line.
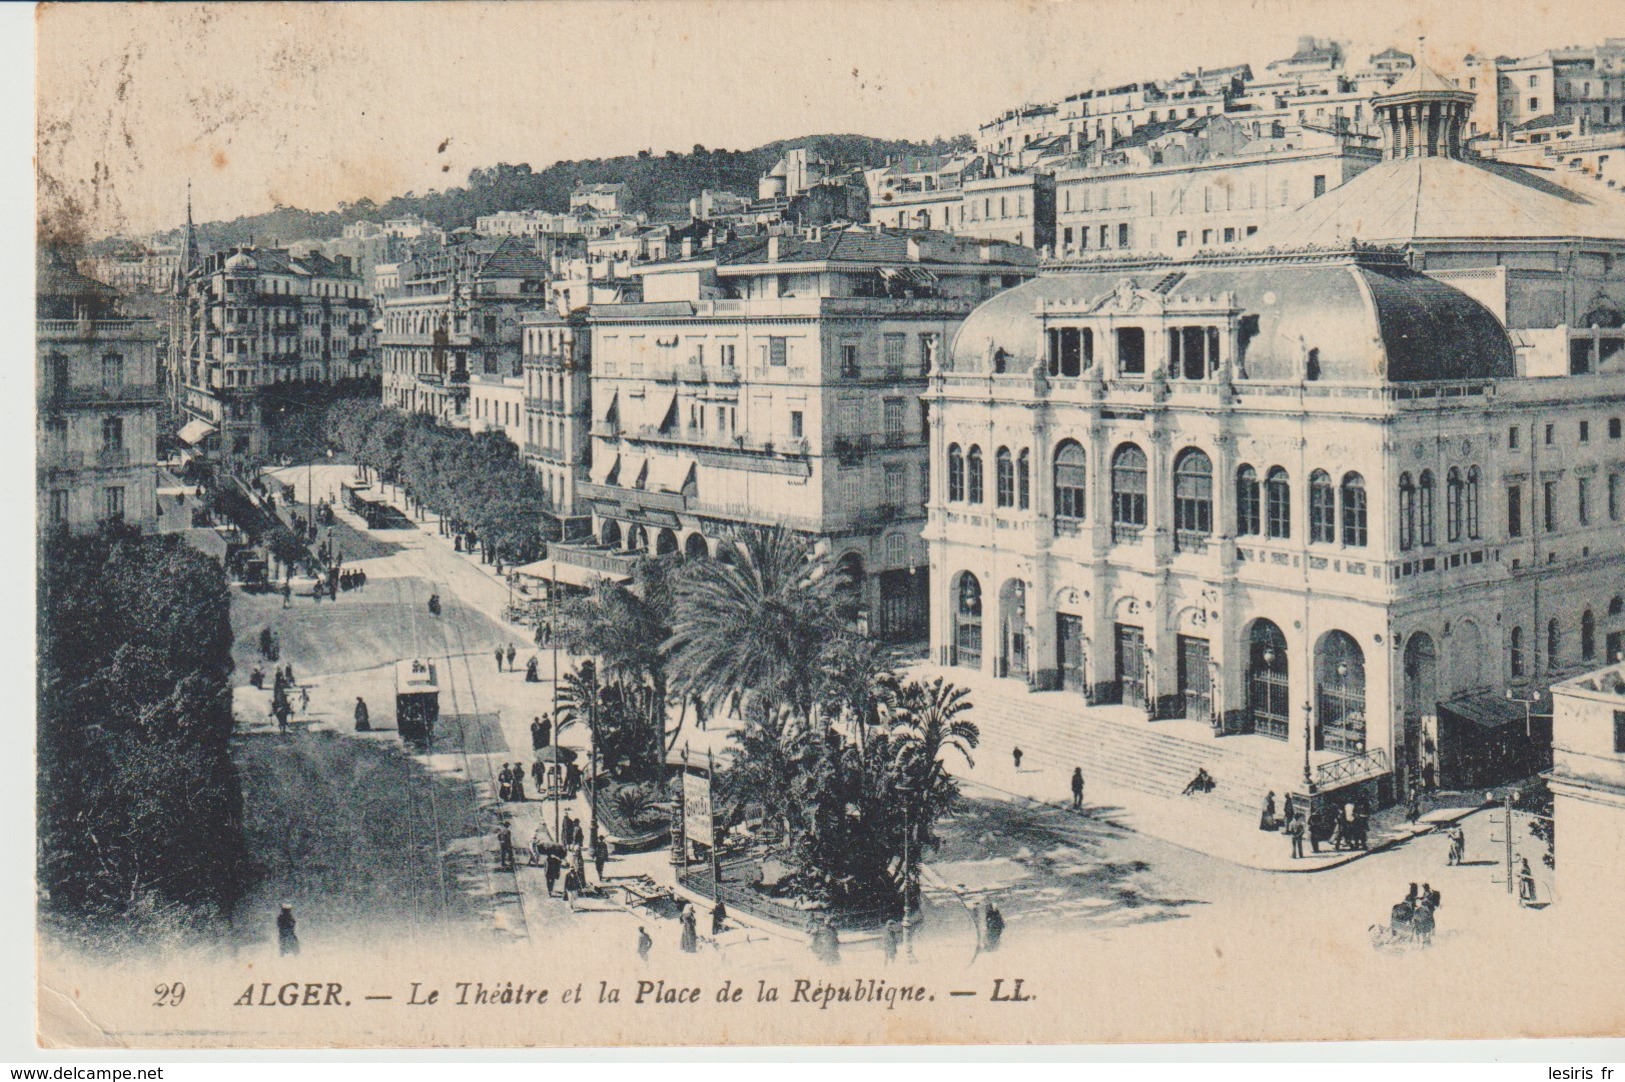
194 432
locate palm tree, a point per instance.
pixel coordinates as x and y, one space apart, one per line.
760 623
929 725
857 681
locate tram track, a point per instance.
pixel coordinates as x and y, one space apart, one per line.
454 649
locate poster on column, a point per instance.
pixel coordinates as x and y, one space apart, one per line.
697 807
1238 387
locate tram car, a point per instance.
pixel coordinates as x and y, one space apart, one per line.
417 702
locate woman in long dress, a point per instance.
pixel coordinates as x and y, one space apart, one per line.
1266 819
690 938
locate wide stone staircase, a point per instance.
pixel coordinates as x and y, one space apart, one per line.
1115 744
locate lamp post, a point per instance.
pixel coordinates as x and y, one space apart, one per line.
1148 682
1342 695
1215 698
1308 742
1528 701
906 792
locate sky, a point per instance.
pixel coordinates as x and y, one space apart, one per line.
310 105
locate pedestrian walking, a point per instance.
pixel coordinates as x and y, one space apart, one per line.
1266 818
304 700
889 941
504 848
1458 844
257 678
505 784
567 830
1289 812
363 719
1015 756
645 945
572 887
288 675
287 594
689 940
1413 806
547 729
517 779
719 918
1526 883
578 860
287 937
995 926
554 867
498 653
532 671
600 855
538 775
1077 788
511 653
536 846
1295 830
536 741
265 642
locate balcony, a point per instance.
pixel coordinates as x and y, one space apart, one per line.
144 329
647 498
109 458
95 395
604 561
609 430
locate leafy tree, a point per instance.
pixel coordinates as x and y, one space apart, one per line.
140 818
759 624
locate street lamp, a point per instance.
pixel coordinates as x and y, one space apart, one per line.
1308 740
906 792
1215 697
1527 701
1148 680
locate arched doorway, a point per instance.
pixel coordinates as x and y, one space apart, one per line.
610 533
695 547
1269 699
1421 751
965 600
1013 629
665 543
637 538
1340 693
1467 672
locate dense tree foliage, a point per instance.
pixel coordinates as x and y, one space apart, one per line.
140 817
657 184
478 479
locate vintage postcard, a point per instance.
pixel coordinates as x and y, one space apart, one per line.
829 523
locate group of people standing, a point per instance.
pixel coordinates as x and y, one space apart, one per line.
1343 827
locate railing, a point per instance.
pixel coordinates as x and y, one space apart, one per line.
606 429
603 560
97 328
1352 768
95 394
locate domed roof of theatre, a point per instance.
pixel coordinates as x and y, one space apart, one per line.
1366 319
1410 199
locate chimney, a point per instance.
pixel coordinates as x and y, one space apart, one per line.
773 249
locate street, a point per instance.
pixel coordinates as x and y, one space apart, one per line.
1056 874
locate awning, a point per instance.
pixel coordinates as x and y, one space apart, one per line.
608 412
669 473
657 407
195 431
603 466
910 275
568 574
631 475
1487 711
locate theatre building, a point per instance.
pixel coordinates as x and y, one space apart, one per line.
1335 499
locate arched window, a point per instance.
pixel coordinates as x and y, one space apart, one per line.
1455 505
1024 480
1407 511
968 622
1472 502
1128 491
1554 643
973 474
1004 478
1248 516
1268 700
1340 693
1193 498
1424 508
956 474
1071 481
1277 503
1588 635
1354 511
1322 509
1515 652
